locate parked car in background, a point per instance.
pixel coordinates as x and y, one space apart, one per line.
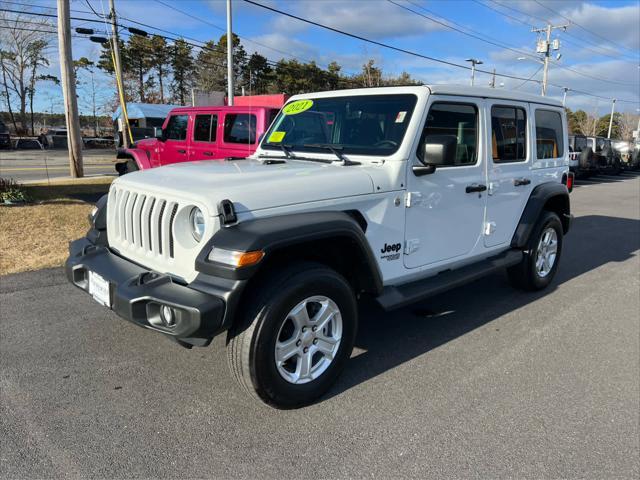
199 133
56 137
606 159
5 136
581 158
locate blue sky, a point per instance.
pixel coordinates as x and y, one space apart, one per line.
611 55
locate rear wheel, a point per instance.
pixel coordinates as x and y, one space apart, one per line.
540 261
296 336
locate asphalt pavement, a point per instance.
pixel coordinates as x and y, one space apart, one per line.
42 165
483 381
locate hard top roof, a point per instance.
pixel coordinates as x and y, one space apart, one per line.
456 90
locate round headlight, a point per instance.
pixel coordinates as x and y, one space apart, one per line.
196 220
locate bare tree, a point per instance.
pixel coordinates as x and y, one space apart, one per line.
23 44
585 123
627 123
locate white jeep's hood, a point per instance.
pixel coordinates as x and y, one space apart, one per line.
251 185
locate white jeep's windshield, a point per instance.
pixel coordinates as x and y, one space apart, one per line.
365 125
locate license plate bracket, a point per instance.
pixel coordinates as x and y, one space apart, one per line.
99 289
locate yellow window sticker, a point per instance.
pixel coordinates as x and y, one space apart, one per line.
298 106
276 137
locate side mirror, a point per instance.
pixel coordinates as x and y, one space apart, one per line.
158 133
438 150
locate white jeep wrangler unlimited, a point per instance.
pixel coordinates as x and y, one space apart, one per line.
397 193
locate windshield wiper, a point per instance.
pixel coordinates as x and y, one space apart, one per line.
335 149
287 150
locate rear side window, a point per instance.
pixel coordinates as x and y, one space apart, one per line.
240 128
549 135
508 134
177 127
204 128
458 121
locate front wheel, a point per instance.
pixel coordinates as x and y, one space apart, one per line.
296 336
540 261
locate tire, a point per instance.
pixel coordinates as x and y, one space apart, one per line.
126 167
527 275
268 321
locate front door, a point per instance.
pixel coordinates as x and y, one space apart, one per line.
445 211
203 145
174 147
509 169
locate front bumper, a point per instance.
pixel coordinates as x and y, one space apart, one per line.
137 294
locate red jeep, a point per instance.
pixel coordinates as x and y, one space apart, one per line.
199 133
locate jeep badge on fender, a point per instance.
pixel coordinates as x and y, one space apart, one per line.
335 177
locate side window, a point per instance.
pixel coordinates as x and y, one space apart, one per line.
459 121
204 128
549 135
177 127
508 134
240 128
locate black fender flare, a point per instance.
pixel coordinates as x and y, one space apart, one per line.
541 196
277 233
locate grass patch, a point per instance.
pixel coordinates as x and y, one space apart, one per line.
66 189
37 235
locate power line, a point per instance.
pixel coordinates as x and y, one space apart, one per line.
385 45
374 42
477 37
585 40
206 22
530 78
583 28
570 42
521 52
344 80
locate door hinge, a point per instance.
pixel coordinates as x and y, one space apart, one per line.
411 246
411 198
489 228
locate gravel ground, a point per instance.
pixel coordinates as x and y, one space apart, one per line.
483 381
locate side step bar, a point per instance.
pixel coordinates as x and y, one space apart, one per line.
397 296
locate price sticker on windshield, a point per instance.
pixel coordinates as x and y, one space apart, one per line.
296 107
276 137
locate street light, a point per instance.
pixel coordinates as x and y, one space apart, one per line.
474 62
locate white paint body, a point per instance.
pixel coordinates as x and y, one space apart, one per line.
438 224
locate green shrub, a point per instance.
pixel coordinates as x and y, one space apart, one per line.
12 192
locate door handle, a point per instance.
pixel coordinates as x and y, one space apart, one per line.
181 151
475 187
521 181
208 154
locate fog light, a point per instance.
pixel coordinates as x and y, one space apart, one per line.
167 315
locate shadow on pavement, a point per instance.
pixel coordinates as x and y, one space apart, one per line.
390 339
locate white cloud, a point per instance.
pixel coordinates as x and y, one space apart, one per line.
372 18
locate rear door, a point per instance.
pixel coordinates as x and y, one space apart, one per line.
509 168
203 139
239 134
174 148
446 208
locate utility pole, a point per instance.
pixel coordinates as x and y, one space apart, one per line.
117 65
545 47
74 137
613 107
474 62
229 55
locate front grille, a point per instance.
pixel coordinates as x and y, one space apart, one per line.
142 222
